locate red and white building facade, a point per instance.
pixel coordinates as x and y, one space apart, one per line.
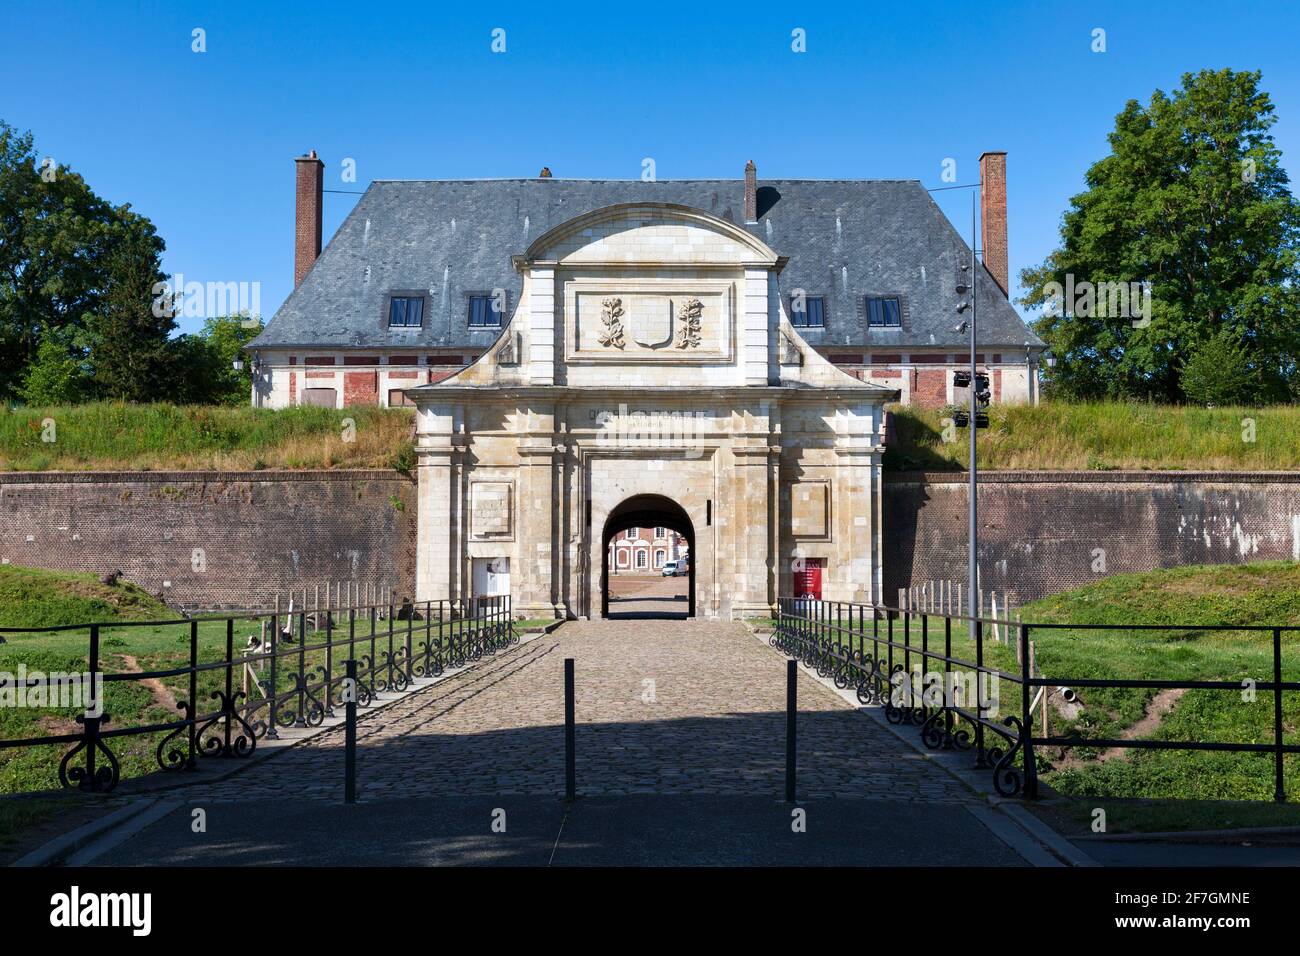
645 550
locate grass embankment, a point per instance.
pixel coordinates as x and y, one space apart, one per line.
1265 593
134 647
1101 437
109 436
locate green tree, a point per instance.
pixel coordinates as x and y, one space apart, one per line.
1192 201
132 354
57 376
64 255
1218 372
226 337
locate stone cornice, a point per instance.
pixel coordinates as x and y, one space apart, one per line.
428 394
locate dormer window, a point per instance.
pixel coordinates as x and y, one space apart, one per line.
405 311
808 312
883 312
482 314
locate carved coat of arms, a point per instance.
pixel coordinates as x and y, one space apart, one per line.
652 327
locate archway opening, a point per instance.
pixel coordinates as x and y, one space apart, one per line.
650 574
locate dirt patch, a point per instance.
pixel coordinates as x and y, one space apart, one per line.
1160 705
161 693
52 726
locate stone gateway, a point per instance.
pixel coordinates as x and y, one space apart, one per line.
649 377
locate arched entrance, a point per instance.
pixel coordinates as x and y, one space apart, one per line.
648 511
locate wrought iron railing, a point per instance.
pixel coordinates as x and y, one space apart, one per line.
867 647
289 675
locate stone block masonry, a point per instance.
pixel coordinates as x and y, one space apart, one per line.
214 539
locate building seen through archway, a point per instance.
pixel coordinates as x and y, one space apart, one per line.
641 532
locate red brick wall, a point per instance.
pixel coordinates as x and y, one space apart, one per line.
310 179
260 532
929 387
360 388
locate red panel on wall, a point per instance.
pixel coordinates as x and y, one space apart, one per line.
808 582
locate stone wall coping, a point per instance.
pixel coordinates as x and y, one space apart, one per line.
1093 477
890 477
268 475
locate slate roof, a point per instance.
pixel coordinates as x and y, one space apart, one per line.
845 239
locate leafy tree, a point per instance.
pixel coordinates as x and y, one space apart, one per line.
226 337
58 375
1193 201
132 354
70 260
1218 372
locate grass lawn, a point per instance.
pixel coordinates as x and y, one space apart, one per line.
1265 593
1100 437
1074 815
115 436
30 598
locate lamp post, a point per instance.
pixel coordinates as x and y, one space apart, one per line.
972 569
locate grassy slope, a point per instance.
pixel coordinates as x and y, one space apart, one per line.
1100 437
107 436
1266 593
31 597
1085 437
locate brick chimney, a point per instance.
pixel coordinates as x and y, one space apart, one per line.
307 202
993 215
751 192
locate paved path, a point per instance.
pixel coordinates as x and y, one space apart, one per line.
684 711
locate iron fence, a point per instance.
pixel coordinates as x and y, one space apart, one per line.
872 648
289 675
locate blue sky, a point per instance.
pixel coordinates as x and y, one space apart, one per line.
203 143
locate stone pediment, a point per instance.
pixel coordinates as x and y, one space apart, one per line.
650 295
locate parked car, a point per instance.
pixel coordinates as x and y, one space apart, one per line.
670 569
676 568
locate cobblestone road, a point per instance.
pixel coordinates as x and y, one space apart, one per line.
670 707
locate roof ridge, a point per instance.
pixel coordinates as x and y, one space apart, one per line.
579 179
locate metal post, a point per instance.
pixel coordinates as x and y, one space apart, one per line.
350 735
1279 785
972 570
981 760
1026 716
191 763
570 763
791 723
273 718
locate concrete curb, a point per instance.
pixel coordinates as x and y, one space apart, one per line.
53 852
1035 829
117 835
1192 836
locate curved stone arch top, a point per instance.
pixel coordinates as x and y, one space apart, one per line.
650 234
